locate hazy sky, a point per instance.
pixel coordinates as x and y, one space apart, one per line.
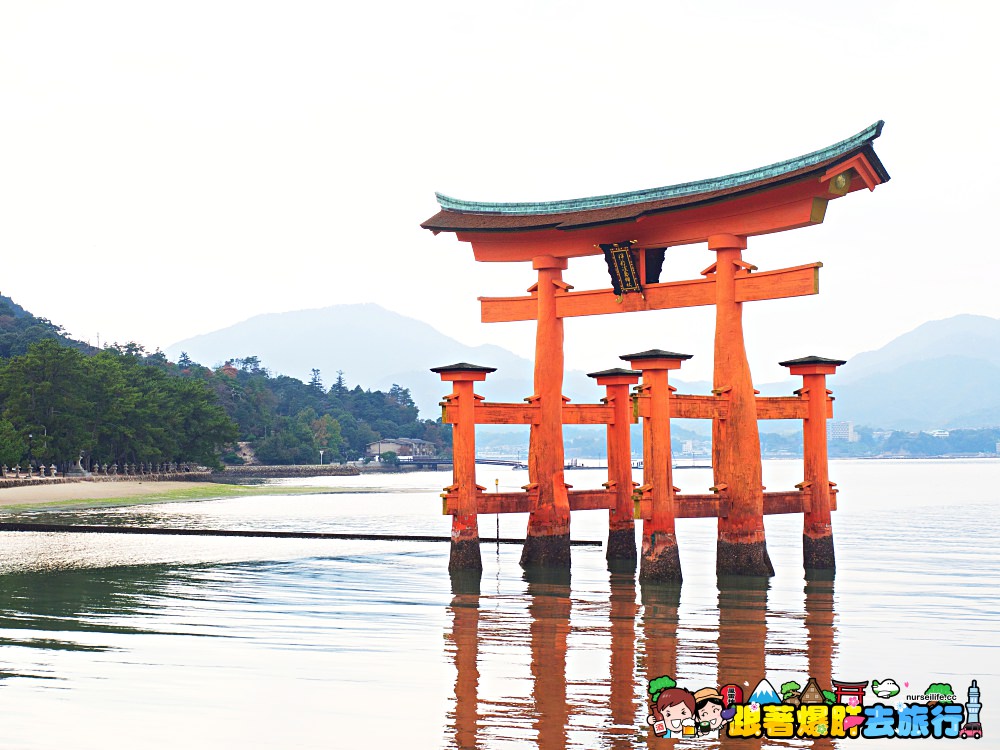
171 168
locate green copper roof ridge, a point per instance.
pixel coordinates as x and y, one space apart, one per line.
738 179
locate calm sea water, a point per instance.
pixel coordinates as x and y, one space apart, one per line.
177 642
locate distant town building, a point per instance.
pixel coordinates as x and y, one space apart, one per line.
843 431
938 433
401 447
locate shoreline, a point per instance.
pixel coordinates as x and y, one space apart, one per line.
86 494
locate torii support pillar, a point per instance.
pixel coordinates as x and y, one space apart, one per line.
547 540
465 523
661 560
621 521
741 547
817 529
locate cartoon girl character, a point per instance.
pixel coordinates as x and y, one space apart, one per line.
710 713
673 710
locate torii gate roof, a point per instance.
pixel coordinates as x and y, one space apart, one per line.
855 155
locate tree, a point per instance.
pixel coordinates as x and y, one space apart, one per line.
13 447
292 441
119 404
339 386
41 394
115 398
390 457
249 364
200 425
316 381
327 436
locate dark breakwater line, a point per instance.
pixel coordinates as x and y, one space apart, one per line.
158 531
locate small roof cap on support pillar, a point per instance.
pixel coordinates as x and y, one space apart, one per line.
655 359
813 365
463 371
613 371
616 376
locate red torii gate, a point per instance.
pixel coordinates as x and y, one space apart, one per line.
633 230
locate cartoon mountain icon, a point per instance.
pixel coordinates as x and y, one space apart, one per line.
764 694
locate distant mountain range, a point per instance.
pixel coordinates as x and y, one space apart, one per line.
942 374
373 346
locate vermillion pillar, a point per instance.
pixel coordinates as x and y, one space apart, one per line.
741 548
817 531
547 540
465 519
621 521
660 557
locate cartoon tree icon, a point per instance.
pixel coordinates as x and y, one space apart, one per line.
790 688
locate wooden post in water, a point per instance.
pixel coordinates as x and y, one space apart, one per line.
465 522
621 519
660 557
547 540
741 548
817 529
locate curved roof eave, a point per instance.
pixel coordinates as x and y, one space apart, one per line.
688 190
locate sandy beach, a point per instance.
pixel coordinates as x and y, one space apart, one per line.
84 492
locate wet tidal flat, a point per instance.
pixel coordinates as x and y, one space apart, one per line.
162 642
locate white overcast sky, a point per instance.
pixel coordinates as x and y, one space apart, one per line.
171 168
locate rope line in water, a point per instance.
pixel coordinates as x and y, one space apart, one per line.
156 530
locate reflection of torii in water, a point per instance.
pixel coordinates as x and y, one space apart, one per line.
632 230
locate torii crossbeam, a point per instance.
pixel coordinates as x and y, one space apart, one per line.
632 230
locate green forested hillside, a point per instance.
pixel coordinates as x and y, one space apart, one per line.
288 421
115 406
60 398
19 329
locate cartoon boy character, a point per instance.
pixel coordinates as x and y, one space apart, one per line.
710 711
672 707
